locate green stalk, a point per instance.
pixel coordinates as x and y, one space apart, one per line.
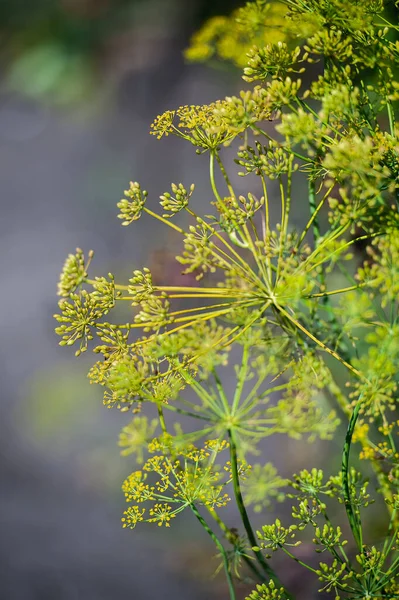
314 220
222 393
212 176
297 560
389 574
241 378
344 559
182 411
266 233
353 518
161 418
224 173
230 537
391 117
220 548
207 528
313 210
244 515
306 159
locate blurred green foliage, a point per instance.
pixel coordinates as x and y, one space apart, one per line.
54 50
59 407
51 47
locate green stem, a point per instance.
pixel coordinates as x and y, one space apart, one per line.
241 378
313 210
352 516
320 343
212 176
244 515
306 159
297 560
161 418
222 393
266 233
220 548
344 559
206 527
252 398
165 221
282 235
384 580
182 411
391 117
391 537
231 537
226 177
289 193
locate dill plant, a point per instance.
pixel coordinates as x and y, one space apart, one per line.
267 290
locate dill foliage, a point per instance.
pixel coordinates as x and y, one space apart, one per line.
267 295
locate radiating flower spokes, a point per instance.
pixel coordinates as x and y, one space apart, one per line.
188 478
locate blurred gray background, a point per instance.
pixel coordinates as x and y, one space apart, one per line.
81 81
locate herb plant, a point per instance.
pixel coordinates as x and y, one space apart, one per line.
320 114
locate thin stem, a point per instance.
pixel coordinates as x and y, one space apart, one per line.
222 393
252 398
245 270
306 159
321 246
178 288
195 295
282 230
320 343
341 291
196 356
289 193
224 173
191 318
391 117
161 418
390 572
266 234
212 176
387 23
182 411
341 231
203 394
165 221
198 308
390 539
255 253
340 546
221 549
247 326
297 560
231 537
314 211
353 518
304 104
241 378
243 512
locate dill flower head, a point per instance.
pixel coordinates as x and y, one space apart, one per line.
136 435
267 592
285 305
263 485
74 272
